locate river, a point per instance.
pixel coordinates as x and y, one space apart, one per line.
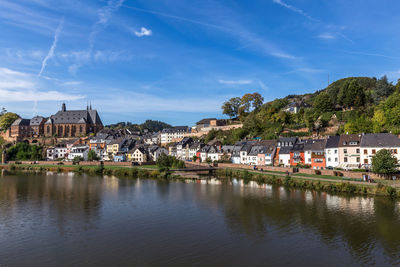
77 220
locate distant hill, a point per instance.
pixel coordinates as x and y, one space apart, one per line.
150 125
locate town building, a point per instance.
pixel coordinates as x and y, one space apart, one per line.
174 134
332 151
372 143
349 151
72 123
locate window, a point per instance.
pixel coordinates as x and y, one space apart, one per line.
336 159
358 159
345 151
329 159
358 151
373 151
365 151
335 151
365 161
345 159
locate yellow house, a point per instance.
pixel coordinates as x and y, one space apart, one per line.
114 146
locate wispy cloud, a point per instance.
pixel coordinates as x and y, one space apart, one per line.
295 9
262 85
50 54
233 29
143 32
104 15
18 86
235 82
71 83
367 54
327 36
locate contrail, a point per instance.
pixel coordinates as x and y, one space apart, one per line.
52 48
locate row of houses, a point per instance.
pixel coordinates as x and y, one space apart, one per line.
108 146
349 151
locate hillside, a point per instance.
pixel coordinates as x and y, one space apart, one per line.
353 104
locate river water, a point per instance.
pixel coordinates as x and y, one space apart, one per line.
78 220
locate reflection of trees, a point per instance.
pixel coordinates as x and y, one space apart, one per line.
64 198
363 224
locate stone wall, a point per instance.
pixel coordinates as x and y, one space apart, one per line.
348 174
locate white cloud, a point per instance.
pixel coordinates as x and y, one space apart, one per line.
327 36
17 86
295 9
143 32
231 28
235 82
50 54
71 83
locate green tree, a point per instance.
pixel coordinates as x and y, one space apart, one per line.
92 156
383 89
209 160
7 119
231 107
323 103
77 159
383 162
194 158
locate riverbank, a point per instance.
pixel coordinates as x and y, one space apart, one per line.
338 185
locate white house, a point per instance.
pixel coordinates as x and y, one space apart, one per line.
372 143
332 151
204 153
214 153
79 151
171 134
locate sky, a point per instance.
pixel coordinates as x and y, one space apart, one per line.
177 61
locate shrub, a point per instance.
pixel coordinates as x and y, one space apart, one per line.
317 172
391 191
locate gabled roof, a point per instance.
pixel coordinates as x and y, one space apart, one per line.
347 140
380 140
298 147
255 150
247 148
332 141
284 150
21 122
37 120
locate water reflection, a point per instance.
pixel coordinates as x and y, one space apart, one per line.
230 217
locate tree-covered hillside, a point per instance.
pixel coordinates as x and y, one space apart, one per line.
354 105
150 125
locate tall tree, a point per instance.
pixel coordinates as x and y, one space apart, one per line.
383 89
323 103
383 162
231 107
7 119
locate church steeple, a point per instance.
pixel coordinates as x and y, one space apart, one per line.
63 107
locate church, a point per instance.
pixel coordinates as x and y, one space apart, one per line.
73 123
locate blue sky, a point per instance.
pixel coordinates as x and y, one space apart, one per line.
178 61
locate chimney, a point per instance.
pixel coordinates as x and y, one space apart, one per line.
63 108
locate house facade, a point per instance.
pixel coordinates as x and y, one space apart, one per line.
332 152
350 151
372 143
